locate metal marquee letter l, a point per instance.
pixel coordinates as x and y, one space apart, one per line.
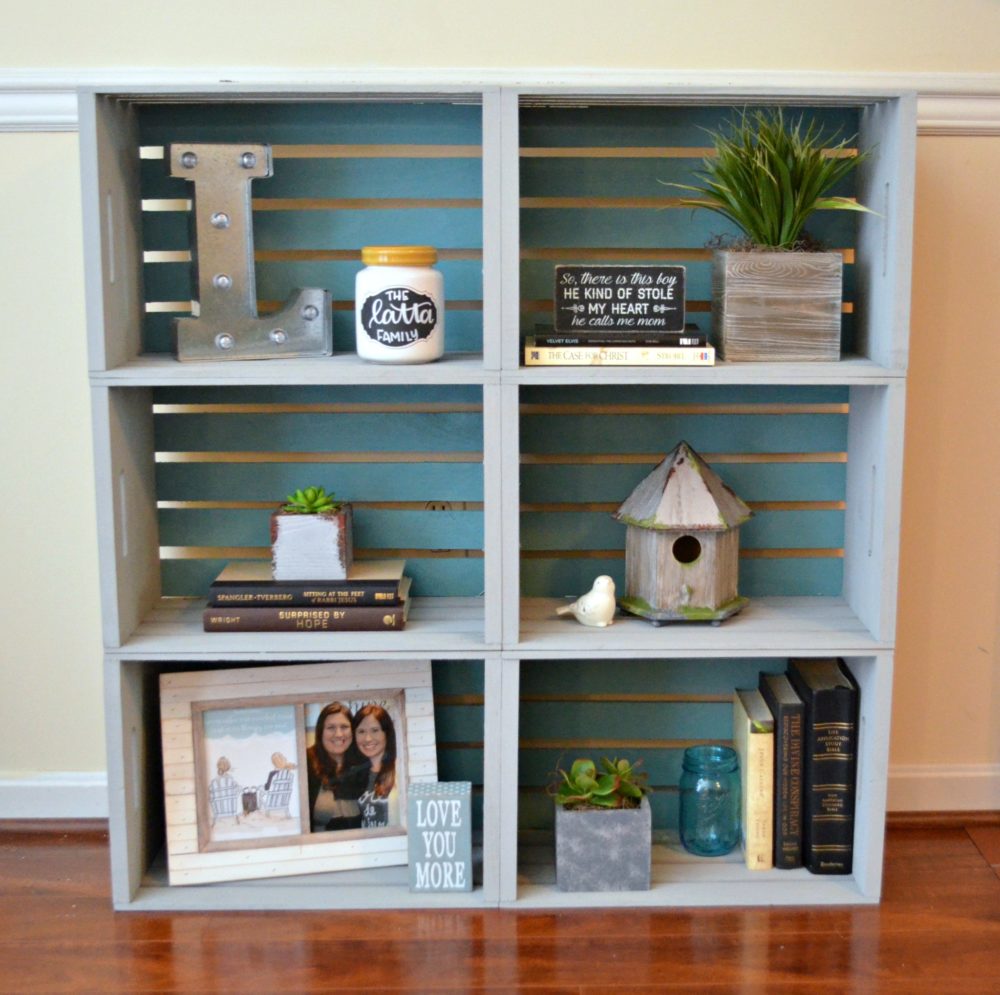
225 325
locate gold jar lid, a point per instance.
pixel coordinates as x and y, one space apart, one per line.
399 255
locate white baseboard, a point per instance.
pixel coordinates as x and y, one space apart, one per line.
944 788
57 795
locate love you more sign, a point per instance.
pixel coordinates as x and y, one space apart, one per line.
439 826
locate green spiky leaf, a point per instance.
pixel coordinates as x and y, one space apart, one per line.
768 175
311 501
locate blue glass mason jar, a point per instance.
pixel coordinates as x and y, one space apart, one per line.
710 800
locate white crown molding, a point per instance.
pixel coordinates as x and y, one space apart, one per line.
944 788
950 103
60 795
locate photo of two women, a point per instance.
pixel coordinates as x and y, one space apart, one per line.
351 769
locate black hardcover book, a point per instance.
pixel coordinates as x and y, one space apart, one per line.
831 700
788 710
248 584
692 335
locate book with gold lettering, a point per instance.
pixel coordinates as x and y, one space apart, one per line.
626 355
311 618
830 751
249 584
753 740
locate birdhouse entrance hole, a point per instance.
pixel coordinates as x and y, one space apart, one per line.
686 549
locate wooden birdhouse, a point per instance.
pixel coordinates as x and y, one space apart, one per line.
682 546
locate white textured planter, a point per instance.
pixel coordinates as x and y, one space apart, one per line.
777 306
604 849
312 547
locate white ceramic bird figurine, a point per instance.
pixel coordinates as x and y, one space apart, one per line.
596 607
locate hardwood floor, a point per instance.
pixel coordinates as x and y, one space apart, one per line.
937 930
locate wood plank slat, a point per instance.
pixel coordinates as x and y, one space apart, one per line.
612 506
539 304
623 459
600 743
640 152
442 505
745 554
357 408
404 456
358 151
363 203
264 553
269 306
684 409
348 255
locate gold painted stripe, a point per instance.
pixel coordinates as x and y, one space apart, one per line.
655 203
264 553
441 505
616 253
269 307
165 204
168 307
361 203
612 506
266 307
166 256
369 408
791 554
347 255
318 457
533 203
684 409
643 696
377 151
617 744
537 789
621 459
545 304
619 554
459 699
640 152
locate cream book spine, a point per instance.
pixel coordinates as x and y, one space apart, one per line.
753 739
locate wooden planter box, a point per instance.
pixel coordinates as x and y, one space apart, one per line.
777 306
312 547
604 849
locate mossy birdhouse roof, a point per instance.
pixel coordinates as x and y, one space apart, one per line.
683 493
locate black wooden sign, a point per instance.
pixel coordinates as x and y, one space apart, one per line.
619 298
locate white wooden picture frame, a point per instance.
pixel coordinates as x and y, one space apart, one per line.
226 735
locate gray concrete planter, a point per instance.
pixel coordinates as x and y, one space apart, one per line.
777 306
604 849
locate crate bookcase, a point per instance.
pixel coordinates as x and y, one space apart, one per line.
494 480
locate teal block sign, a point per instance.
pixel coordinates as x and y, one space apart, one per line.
439 827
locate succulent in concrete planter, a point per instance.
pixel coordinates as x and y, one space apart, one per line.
772 299
311 537
603 828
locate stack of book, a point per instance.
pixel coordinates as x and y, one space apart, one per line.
797 737
622 348
245 598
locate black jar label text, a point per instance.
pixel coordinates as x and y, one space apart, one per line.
398 317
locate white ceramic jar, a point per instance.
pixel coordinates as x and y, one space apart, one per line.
399 305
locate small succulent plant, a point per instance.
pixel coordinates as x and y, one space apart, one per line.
311 501
618 785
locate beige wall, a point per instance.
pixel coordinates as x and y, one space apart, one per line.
947 707
849 35
50 705
947 689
